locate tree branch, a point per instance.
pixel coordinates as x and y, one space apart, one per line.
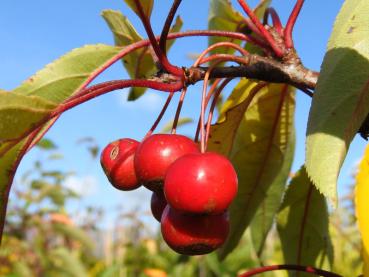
262 69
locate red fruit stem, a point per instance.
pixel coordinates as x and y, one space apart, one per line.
275 19
166 27
179 108
217 45
301 268
203 106
161 56
106 87
208 96
264 32
226 58
212 107
160 116
291 23
202 112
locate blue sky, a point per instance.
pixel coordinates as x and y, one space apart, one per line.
34 33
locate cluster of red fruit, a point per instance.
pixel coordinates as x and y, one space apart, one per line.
191 190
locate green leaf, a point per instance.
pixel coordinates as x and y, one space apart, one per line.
147 6
8 165
264 217
341 100
303 225
222 16
62 78
259 149
139 64
19 113
261 8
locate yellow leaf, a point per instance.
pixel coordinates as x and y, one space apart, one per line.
362 206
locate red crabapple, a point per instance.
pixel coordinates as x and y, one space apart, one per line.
201 183
117 161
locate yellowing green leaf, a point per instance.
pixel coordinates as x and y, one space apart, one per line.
62 78
303 225
19 113
341 100
257 142
362 206
264 217
147 6
222 134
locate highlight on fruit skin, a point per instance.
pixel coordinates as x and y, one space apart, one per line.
201 183
156 153
117 161
194 234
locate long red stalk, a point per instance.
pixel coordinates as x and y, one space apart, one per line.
179 108
291 23
159 53
208 96
217 45
264 32
275 19
167 24
160 116
212 108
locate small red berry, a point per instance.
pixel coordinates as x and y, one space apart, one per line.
158 204
201 183
193 234
156 153
117 162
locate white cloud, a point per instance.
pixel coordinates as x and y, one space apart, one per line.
150 101
83 185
